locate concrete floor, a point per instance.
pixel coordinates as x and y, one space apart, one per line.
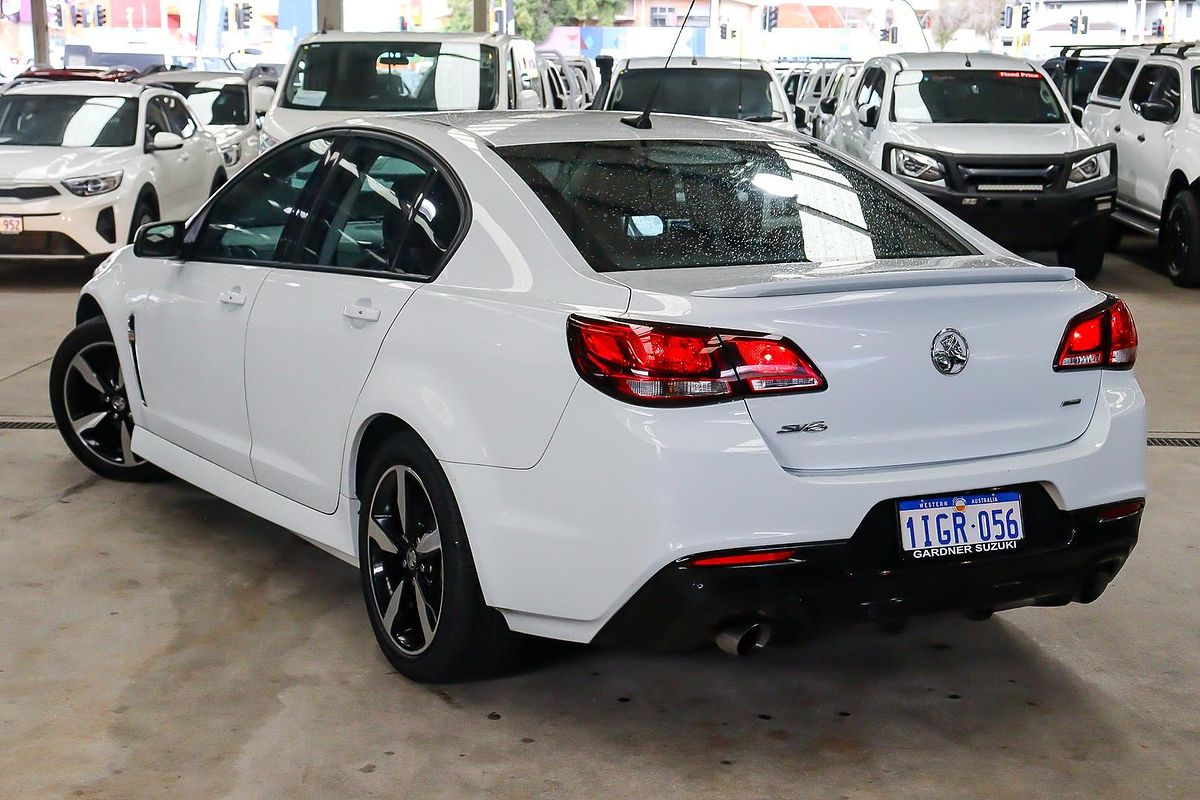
157 642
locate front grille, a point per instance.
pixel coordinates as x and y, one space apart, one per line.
1032 177
40 243
27 192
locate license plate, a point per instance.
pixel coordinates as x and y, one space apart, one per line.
961 525
12 225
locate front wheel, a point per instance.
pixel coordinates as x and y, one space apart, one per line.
1084 252
418 577
91 405
1182 240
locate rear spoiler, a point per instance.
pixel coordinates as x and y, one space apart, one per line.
903 279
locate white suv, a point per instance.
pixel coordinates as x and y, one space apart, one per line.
337 76
989 138
84 163
1148 106
229 104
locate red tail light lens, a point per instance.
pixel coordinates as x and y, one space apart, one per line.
753 559
1103 337
660 364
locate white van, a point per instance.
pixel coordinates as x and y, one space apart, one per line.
335 76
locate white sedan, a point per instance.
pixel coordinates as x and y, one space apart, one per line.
84 163
555 375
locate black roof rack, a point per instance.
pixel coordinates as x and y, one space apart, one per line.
1181 48
1075 50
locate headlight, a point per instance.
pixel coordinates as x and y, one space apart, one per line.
1089 168
917 166
266 141
93 184
231 154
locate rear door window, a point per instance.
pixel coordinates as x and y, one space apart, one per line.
384 209
1116 78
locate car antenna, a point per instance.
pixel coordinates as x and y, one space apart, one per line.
642 121
967 56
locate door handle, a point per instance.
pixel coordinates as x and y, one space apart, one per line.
364 313
233 298
1117 129
1141 137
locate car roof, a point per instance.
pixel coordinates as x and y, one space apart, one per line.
192 76
407 36
76 88
509 128
947 60
687 62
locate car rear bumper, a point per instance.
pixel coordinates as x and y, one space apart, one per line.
1067 556
622 493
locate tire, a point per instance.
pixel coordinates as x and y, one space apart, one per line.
408 558
91 406
1181 237
1084 252
143 214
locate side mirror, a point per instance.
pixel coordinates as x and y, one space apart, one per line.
1077 115
869 116
164 141
159 240
1157 111
261 97
828 105
801 118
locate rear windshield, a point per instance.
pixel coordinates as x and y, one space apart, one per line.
392 76
729 93
983 96
67 121
216 102
665 204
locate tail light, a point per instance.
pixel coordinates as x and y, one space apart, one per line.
753 558
1103 337
659 364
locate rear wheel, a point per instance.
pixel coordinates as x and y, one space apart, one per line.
418 577
91 406
1182 240
1084 252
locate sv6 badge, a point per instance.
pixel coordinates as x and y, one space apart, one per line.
816 426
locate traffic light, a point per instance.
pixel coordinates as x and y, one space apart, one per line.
78 17
772 17
58 15
224 19
884 34
724 30
1007 17
1024 16
1074 25
101 16
244 13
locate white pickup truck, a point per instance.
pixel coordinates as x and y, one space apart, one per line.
1147 104
989 138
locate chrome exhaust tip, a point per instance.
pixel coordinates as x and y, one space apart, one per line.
743 638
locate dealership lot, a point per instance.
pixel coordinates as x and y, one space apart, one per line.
169 644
